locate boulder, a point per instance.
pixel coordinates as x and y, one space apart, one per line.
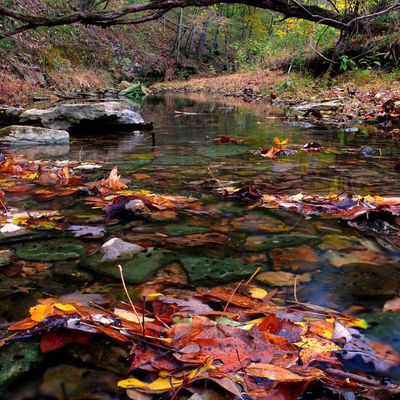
32 135
112 114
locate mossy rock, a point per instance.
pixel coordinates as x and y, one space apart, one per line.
269 242
49 251
182 230
209 271
137 268
16 359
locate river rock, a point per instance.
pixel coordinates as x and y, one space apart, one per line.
85 115
366 257
281 278
22 135
138 263
269 242
53 250
206 270
294 258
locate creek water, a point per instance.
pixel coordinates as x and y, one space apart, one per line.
343 267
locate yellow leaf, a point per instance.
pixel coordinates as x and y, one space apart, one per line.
41 312
152 296
257 293
160 385
356 323
317 346
65 307
253 322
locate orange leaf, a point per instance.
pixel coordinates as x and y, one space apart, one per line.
274 373
41 312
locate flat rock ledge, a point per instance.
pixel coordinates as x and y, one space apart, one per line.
22 135
89 116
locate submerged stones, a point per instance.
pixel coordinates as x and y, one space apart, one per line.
269 242
138 263
32 135
54 250
282 278
206 270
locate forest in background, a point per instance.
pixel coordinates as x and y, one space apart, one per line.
205 41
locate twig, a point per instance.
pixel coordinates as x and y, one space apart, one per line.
295 290
240 361
4 206
230 298
252 276
129 297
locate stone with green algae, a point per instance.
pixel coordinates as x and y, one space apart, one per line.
182 229
53 250
208 271
269 242
138 264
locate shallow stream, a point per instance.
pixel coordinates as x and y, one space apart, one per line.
339 266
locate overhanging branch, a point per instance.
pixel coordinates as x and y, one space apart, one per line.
157 8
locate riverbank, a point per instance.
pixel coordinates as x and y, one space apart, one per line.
355 97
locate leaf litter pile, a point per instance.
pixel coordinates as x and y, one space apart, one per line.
240 339
246 342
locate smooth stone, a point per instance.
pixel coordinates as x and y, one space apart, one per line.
336 242
137 267
49 251
258 224
294 258
182 230
116 249
366 257
69 116
269 242
281 278
20 135
208 271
